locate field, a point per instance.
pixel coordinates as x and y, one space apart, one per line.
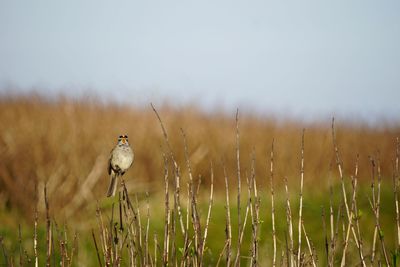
205 189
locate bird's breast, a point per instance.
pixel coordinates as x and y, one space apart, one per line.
123 159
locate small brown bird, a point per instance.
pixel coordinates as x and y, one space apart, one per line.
121 158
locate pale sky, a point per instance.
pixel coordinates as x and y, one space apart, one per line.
308 58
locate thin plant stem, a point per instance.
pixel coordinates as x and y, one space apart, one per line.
194 212
210 203
176 170
35 238
273 204
301 198
309 246
167 219
97 249
396 192
228 227
289 225
237 263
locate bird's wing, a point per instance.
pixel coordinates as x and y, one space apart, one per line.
109 162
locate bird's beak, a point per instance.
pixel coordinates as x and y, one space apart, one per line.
123 140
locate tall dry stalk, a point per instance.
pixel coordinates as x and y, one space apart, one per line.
396 178
241 234
48 229
289 222
272 203
314 264
374 205
194 210
237 262
301 199
167 218
349 227
254 215
344 194
377 214
356 214
332 225
35 239
176 169
210 204
228 225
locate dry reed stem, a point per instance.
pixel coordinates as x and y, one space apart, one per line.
176 170
251 205
349 227
287 251
121 223
331 220
48 229
248 208
396 198
35 242
301 198
356 215
336 235
97 249
325 234
309 245
74 248
256 220
381 237
187 242
283 257
167 219
237 263
228 226
138 228
185 260
103 232
378 203
340 167
110 245
173 259
147 258
396 192
222 253
273 203
177 201
289 222
210 203
374 204
195 216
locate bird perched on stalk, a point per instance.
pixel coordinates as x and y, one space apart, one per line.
121 158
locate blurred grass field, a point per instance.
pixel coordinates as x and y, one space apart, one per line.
64 144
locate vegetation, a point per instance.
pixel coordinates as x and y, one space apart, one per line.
204 190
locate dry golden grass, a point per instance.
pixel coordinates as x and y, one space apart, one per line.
65 144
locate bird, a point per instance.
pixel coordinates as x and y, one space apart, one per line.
121 159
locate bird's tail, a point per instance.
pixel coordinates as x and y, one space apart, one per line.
113 184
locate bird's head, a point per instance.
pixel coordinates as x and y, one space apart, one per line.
123 139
